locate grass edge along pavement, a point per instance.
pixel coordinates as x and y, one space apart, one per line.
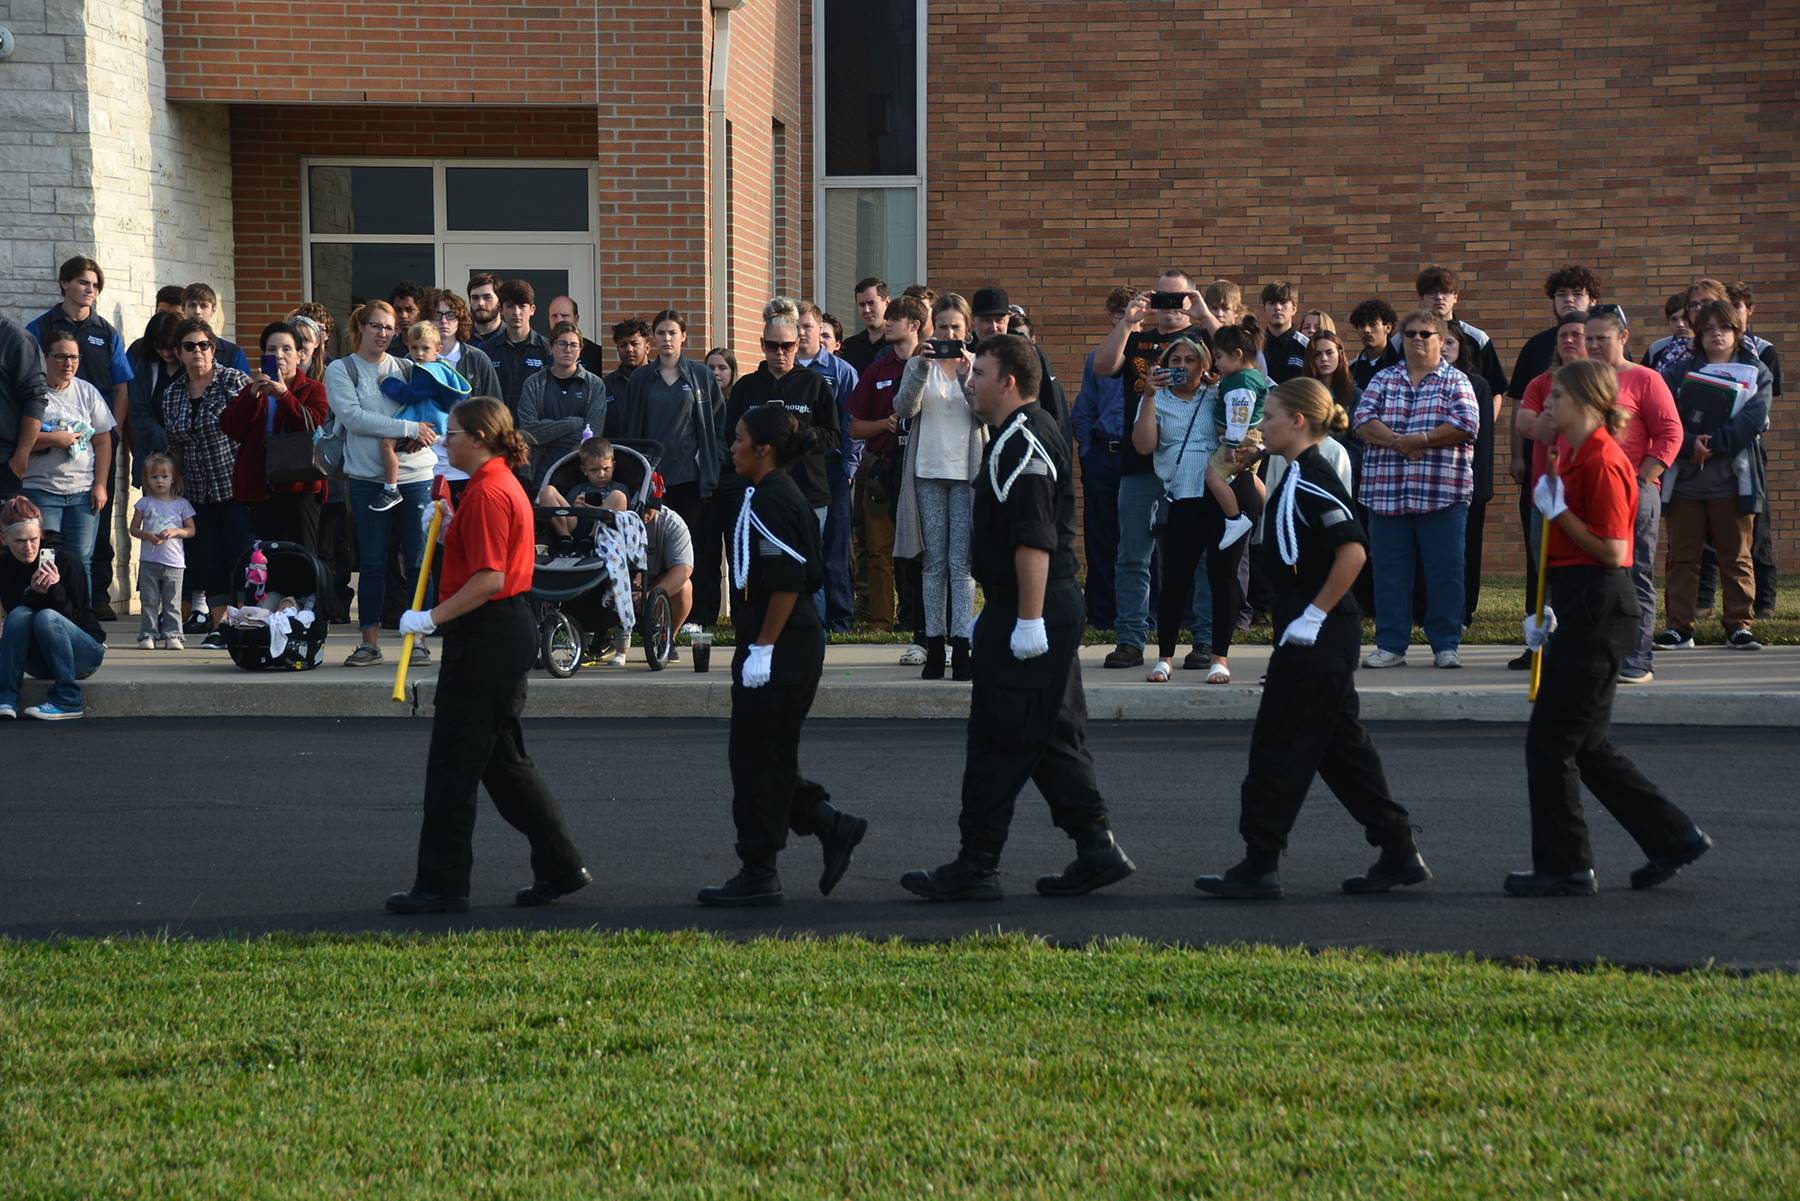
581 1064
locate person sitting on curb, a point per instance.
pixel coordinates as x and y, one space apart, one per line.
47 628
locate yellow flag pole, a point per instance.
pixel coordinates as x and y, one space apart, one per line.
431 539
1537 656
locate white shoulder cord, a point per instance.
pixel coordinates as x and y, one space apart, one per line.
1033 447
1286 541
740 541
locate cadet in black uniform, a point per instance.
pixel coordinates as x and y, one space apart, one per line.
1307 723
1027 716
776 566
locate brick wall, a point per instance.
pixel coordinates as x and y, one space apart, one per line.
1346 147
269 141
384 52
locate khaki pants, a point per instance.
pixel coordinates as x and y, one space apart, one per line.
1692 524
877 509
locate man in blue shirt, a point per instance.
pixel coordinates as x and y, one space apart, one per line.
1099 422
104 365
840 465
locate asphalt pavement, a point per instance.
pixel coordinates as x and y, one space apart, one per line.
239 827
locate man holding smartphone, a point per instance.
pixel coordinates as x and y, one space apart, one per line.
1129 352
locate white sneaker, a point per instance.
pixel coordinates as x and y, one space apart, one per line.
1446 659
173 644
616 659
912 656
8 713
1235 528
1381 658
146 643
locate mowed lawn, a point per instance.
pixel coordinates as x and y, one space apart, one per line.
585 1065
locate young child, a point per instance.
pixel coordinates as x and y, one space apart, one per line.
161 520
599 490
1241 391
427 397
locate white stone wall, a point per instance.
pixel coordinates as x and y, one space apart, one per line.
95 160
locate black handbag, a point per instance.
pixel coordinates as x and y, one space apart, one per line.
1159 511
293 457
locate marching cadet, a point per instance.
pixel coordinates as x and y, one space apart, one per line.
1591 503
776 567
1307 722
1027 714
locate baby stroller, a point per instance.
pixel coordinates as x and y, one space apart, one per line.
570 566
294 573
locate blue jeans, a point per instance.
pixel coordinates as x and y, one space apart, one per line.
372 542
1437 539
1131 570
73 514
1643 561
50 647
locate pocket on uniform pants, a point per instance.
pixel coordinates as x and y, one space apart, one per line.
1012 718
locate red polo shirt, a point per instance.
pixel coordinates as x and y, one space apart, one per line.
1602 489
490 532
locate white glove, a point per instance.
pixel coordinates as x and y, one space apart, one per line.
1304 629
758 665
1030 639
425 512
1538 633
1548 496
417 621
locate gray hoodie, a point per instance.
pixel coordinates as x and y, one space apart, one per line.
22 388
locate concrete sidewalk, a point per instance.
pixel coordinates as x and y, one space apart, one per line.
1708 686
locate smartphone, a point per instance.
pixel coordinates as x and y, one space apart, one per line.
46 557
945 348
271 366
1168 300
1177 376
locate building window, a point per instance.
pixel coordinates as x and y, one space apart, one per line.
870 169
371 224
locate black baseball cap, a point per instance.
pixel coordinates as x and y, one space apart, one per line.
991 302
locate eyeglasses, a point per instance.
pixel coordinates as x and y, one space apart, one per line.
379 329
65 358
452 433
444 315
1423 335
570 346
196 347
772 346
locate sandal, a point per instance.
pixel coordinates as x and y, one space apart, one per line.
1218 673
1160 673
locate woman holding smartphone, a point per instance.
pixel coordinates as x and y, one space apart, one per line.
278 401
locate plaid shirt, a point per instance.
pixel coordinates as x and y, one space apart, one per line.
1392 484
207 455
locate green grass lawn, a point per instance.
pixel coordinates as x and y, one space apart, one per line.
583 1066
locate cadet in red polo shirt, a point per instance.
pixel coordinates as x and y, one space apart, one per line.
1590 500
490 642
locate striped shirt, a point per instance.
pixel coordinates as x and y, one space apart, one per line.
1394 485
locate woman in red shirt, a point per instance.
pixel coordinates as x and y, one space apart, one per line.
1591 502
286 402
490 642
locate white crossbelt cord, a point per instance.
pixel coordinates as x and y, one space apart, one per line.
740 542
1286 541
1033 447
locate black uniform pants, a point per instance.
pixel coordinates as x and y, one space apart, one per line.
1027 722
769 796
1566 744
476 738
1308 724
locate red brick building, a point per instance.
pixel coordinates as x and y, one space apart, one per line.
708 153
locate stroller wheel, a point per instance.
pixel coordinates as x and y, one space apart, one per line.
559 644
659 628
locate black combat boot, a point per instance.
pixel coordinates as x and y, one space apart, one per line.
755 884
1399 865
1245 881
838 833
971 876
1099 861
934 658
962 667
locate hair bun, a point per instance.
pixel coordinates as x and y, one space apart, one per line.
1340 420
1250 324
800 443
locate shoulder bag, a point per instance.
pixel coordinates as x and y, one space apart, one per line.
1159 512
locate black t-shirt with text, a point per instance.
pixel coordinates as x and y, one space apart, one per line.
1142 350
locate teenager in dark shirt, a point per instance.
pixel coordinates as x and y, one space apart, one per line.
776 565
861 348
1374 322
47 628
1308 722
1571 289
1284 346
